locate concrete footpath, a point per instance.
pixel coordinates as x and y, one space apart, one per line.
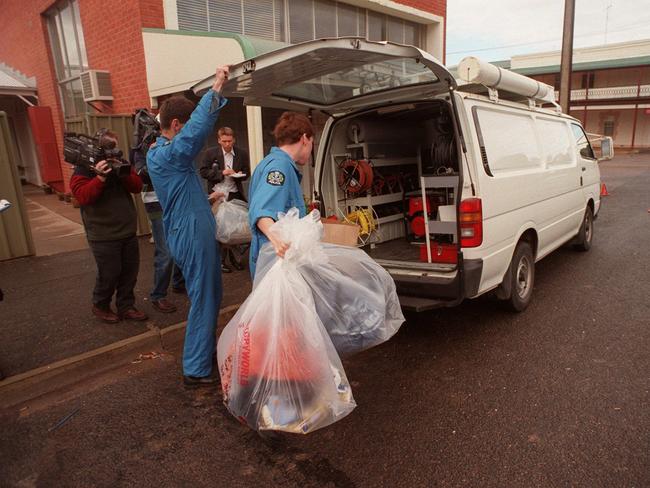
46 313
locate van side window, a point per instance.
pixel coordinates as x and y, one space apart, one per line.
584 148
509 141
556 142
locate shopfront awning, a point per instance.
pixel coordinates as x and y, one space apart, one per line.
177 60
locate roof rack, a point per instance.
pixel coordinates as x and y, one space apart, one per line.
504 84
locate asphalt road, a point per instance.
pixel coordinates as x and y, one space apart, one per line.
472 396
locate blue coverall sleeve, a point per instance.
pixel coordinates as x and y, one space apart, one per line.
269 196
189 141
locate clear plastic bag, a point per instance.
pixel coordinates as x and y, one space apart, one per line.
278 367
232 222
355 297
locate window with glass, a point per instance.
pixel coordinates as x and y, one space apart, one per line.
295 21
351 82
584 148
69 54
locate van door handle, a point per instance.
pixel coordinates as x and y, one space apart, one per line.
584 169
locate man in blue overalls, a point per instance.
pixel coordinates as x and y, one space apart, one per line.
275 185
188 220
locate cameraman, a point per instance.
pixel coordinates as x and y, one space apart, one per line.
110 221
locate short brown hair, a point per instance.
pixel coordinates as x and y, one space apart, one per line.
225 131
177 107
290 128
106 138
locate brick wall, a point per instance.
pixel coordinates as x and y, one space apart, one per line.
437 7
113 36
25 47
114 43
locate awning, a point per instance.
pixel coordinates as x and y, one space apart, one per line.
177 60
12 82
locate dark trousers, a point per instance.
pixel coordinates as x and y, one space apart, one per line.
117 271
164 269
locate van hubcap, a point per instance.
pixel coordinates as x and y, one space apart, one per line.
588 228
524 275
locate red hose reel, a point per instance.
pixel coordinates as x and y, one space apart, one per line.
355 176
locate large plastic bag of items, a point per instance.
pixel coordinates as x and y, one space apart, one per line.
355 297
232 220
279 369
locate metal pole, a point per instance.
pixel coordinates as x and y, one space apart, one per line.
567 55
636 108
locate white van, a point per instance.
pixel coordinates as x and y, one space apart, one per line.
459 190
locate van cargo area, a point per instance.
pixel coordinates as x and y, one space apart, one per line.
373 173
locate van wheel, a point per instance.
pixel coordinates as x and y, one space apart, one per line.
586 234
522 278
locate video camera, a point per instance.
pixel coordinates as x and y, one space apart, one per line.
146 130
83 150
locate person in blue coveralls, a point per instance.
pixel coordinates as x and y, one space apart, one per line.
188 220
275 185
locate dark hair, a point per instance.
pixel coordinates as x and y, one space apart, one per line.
225 131
106 138
290 128
177 107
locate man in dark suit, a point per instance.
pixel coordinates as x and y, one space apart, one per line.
219 164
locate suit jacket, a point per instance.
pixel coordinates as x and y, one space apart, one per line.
213 164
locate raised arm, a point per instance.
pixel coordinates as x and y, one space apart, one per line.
189 141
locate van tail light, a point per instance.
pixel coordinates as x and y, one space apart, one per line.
471 222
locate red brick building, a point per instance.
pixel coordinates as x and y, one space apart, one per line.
143 50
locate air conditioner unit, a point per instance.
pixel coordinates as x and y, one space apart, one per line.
96 85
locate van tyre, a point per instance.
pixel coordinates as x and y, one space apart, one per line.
521 276
586 233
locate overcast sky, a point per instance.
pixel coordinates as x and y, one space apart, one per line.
502 28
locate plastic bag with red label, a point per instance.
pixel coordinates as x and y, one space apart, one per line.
279 369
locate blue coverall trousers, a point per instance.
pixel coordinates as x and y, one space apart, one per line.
193 244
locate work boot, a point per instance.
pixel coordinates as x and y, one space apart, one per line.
133 314
105 315
200 381
163 305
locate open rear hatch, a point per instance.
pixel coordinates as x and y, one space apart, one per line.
335 76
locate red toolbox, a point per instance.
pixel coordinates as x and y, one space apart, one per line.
440 253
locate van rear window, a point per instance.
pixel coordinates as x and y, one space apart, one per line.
509 140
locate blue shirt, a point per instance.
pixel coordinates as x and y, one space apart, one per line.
171 165
275 187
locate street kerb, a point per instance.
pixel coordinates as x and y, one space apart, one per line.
38 382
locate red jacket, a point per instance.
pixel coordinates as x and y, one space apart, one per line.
87 189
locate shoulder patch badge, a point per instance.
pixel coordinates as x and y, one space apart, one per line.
275 178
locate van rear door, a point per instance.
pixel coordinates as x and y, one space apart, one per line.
335 76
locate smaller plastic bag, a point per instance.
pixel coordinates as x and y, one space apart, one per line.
232 222
278 367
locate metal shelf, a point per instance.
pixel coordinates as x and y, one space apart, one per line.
440 181
370 200
381 162
390 218
438 227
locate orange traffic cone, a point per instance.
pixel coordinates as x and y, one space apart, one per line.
603 190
